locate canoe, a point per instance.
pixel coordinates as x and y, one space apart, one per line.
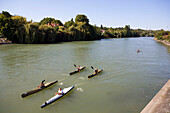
56 97
92 75
77 70
38 89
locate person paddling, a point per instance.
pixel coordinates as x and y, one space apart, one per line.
96 71
60 92
138 50
42 84
79 68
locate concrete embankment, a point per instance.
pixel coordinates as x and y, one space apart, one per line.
161 101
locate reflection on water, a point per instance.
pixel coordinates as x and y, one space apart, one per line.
127 84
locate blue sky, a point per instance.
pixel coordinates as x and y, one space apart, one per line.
144 14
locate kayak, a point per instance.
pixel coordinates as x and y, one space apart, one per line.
77 70
38 89
92 75
56 97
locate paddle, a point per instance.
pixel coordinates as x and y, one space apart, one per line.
96 70
92 67
43 81
75 65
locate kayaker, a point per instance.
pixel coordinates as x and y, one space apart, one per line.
60 92
42 84
79 68
96 71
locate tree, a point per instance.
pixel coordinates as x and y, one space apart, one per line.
72 20
101 27
68 24
127 32
7 28
47 20
58 22
6 14
81 18
19 20
50 21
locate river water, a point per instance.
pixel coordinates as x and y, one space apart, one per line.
129 80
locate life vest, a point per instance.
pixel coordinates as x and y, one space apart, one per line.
60 91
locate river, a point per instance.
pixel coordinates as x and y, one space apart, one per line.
129 80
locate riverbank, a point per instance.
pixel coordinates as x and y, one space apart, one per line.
163 36
5 41
163 41
160 103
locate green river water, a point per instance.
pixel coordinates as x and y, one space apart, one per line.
129 80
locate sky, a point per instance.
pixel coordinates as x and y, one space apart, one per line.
143 14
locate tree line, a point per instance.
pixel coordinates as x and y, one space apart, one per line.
51 30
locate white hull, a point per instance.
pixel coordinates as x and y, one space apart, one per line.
56 97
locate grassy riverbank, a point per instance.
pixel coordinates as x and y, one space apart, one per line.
163 36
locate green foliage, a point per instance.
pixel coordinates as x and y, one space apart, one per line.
127 32
47 20
163 35
7 28
19 21
68 24
101 27
58 22
81 18
72 20
72 28
20 35
18 30
120 32
50 21
6 14
61 28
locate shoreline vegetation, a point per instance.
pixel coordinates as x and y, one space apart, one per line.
163 36
163 41
49 30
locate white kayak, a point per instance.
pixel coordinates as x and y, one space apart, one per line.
56 97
